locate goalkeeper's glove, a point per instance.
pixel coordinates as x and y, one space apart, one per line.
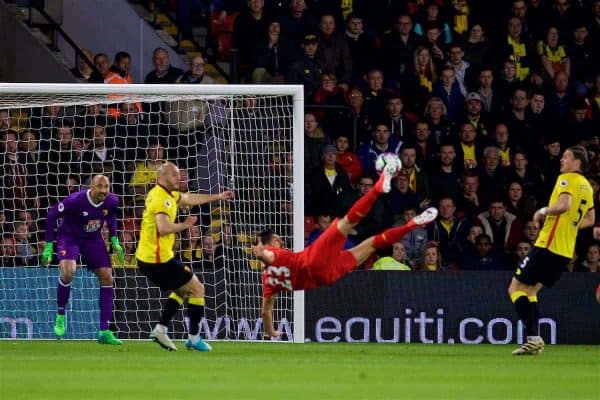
118 249
47 253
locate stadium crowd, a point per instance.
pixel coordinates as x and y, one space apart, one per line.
478 99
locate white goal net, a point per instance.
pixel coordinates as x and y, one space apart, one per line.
244 138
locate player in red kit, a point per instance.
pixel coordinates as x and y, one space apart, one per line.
324 262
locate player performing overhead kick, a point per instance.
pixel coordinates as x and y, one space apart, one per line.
80 218
324 262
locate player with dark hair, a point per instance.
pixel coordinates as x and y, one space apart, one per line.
324 262
156 258
79 219
571 207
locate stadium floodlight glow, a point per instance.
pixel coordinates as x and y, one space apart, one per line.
247 138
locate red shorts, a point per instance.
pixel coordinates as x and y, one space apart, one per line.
326 258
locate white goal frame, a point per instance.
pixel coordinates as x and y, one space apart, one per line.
31 90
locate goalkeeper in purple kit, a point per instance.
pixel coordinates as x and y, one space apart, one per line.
78 220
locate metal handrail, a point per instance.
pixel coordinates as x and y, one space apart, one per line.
56 28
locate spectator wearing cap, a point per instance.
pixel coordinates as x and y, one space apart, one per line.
333 53
476 116
327 183
306 71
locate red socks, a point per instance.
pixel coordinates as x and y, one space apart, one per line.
362 207
392 235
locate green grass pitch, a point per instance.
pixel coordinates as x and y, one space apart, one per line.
234 370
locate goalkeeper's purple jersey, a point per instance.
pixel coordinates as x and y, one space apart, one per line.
78 217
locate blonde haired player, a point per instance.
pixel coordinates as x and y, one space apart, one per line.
571 207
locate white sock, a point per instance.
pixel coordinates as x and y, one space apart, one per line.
194 338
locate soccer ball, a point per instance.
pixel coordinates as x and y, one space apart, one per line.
390 159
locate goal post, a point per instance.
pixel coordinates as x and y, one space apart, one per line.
247 138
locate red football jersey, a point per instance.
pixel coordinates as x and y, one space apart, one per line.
289 271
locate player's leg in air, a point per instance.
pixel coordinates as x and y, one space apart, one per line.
350 259
361 208
367 247
193 292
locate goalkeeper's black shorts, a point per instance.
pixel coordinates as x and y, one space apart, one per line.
168 276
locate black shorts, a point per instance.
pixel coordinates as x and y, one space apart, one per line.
543 266
168 276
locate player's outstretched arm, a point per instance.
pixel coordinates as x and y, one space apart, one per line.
196 199
267 316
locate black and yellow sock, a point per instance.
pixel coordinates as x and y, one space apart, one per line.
525 312
173 304
533 301
195 311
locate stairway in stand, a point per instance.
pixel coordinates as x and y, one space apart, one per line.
166 28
